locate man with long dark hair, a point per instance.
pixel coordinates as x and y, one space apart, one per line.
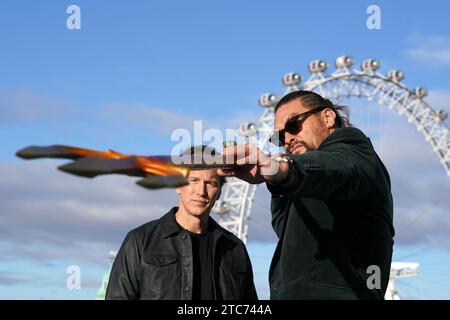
331 203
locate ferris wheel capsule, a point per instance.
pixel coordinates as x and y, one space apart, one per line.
248 129
396 75
317 66
443 115
420 92
344 62
291 79
370 65
267 100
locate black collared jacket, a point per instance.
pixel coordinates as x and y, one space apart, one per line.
155 262
334 220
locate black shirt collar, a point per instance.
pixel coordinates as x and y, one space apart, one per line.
169 225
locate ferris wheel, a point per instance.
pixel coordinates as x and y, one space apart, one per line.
234 207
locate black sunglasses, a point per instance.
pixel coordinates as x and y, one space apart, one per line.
293 126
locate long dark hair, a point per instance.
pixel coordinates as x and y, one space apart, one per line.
313 100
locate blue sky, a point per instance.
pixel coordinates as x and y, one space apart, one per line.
137 70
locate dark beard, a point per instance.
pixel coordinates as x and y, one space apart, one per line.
307 146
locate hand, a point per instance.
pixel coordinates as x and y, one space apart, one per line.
252 165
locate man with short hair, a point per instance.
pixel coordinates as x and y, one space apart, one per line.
331 203
185 255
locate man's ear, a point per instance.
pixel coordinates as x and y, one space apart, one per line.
178 190
329 117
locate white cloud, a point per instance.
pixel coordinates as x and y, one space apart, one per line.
29 106
430 49
439 99
44 208
26 105
155 119
11 279
124 122
165 122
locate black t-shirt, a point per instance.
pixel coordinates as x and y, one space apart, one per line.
203 266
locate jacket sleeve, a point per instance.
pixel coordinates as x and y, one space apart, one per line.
339 172
124 278
250 290
279 207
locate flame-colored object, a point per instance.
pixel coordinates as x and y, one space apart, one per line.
158 171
